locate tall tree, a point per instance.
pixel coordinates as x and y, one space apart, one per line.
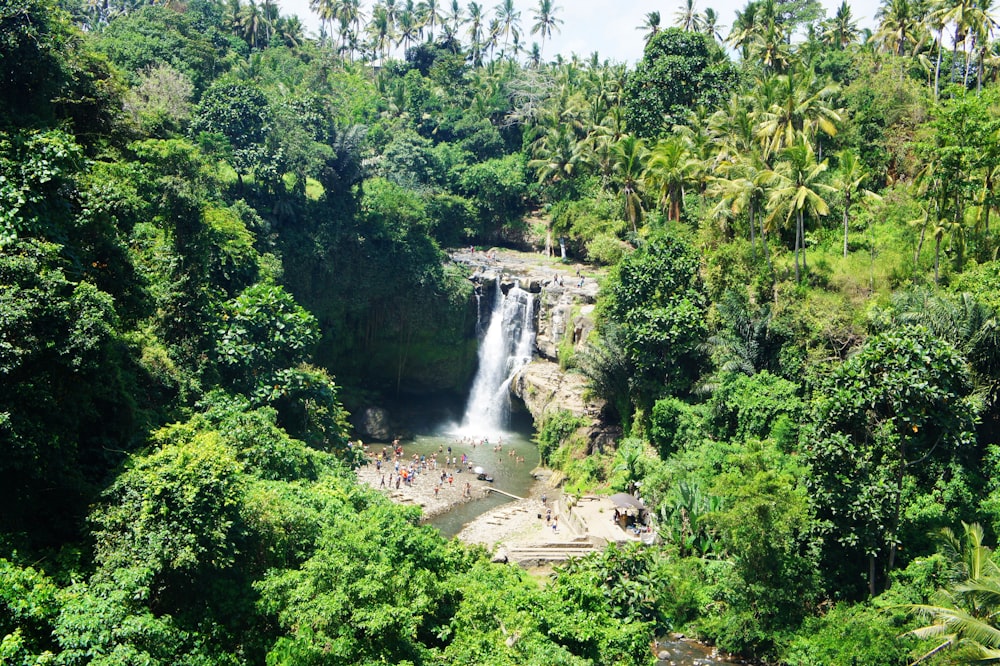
651 25
687 18
849 180
891 420
508 22
545 20
798 193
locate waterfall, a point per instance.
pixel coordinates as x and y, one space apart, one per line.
507 347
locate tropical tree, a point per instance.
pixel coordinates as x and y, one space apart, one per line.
669 169
849 180
508 22
799 107
430 13
545 20
687 17
842 29
746 28
890 421
629 167
900 26
711 26
797 193
743 190
651 25
475 33
965 614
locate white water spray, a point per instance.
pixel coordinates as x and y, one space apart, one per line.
506 348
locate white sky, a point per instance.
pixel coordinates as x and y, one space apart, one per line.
607 27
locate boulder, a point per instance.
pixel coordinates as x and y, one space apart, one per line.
373 423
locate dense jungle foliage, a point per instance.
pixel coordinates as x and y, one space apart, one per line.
206 216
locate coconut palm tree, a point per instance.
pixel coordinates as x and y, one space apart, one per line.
965 615
455 17
687 17
670 169
982 21
770 47
711 26
900 26
545 20
957 14
850 178
651 25
742 189
799 105
409 29
430 14
475 33
508 21
797 193
379 30
629 167
842 29
746 28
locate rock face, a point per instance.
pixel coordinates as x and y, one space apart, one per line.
373 423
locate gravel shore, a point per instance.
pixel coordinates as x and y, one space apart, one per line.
515 522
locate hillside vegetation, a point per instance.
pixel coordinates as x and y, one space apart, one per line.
216 232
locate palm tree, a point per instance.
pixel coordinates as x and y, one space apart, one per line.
955 13
981 21
799 106
746 28
651 26
431 16
380 30
455 17
797 193
964 615
669 170
899 26
508 21
770 47
475 32
842 29
409 29
743 189
545 20
252 23
851 175
710 25
630 166
687 17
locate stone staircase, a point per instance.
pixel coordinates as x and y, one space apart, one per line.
550 553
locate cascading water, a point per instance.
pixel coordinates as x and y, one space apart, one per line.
506 348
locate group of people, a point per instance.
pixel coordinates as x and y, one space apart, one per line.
398 470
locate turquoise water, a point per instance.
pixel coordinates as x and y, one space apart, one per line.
508 474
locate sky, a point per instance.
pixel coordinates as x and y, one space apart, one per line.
599 25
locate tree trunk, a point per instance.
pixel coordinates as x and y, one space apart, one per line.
798 240
753 236
847 208
763 244
871 575
920 243
937 257
937 66
802 241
